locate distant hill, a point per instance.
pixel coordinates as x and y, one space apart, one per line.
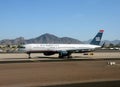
106 41
49 38
45 38
19 40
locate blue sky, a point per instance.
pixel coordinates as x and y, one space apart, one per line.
80 19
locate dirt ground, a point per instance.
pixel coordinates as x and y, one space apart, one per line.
53 73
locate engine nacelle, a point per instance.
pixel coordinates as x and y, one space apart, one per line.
48 53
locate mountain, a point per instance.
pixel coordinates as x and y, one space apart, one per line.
115 42
19 40
106 41
49 38
45 38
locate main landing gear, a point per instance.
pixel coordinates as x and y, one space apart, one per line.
29 55
68 55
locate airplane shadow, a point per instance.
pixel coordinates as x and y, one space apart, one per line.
59 58
46 57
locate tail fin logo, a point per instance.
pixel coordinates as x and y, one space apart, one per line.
97 38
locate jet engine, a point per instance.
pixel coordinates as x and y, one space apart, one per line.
49 53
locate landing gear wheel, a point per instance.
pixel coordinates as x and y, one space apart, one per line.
29 55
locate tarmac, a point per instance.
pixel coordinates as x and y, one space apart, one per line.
99 70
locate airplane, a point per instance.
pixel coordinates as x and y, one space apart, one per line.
64 50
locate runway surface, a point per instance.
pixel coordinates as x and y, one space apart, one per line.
84 70
22 57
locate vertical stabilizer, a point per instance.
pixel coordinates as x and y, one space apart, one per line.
97 39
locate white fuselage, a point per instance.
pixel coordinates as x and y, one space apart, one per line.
58 47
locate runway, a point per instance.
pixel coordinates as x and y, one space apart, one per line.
22 57
16 70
